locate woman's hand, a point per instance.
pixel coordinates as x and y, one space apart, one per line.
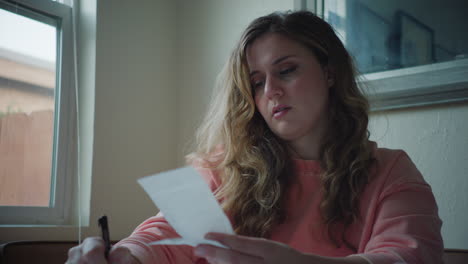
92 251
248 250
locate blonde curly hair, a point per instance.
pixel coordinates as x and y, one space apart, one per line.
255 165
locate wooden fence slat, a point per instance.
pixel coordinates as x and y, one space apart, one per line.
26 158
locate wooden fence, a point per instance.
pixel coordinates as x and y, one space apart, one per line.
26 158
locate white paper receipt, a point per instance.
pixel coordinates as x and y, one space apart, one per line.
188 205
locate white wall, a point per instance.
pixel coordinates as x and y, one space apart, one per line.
135 107
436 139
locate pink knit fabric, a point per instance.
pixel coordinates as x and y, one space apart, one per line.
399 220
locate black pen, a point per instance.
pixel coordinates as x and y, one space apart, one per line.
105 234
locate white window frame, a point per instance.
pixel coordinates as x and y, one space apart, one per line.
431 84
59 211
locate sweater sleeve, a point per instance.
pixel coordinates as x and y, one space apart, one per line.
406 227
157 228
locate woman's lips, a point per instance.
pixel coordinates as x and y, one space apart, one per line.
280 110
280 114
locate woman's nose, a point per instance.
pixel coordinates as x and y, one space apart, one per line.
273 88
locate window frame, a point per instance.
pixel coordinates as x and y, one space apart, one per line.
432 84
64 152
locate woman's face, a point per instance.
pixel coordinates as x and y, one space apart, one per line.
290 88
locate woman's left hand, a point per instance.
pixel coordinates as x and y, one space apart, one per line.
248 250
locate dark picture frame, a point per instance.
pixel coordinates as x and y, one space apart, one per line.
415 41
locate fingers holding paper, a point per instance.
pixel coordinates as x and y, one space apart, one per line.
249 250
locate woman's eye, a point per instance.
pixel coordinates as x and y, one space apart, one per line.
257 84
288 70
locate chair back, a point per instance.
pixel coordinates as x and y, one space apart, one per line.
22 252
455 256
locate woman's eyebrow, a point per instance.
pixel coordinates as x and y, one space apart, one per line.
278 60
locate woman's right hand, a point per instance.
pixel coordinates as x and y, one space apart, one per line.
92 251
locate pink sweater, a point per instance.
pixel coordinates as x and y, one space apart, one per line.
399 223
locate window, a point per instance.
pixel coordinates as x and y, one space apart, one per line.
409 56
37 113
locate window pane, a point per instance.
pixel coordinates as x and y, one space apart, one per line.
27 88
384 35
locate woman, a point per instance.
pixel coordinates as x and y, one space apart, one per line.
285 148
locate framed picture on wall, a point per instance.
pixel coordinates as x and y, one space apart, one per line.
416 42
398 85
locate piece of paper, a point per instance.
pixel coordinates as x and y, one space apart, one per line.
188 205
